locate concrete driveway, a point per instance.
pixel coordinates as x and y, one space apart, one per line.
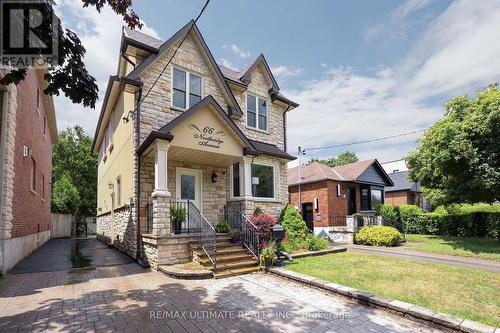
128 298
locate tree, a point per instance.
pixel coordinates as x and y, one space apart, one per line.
65 196
72 156
458 158
69 75
341 159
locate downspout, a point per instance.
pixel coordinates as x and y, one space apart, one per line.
284 125
138 184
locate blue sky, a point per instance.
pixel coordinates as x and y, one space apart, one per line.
359 69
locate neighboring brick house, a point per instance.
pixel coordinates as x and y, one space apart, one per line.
325 195
203 133
404 192
27 132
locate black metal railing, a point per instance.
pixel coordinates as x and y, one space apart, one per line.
366 220
149 218
250 237
182 223
337 221
205 232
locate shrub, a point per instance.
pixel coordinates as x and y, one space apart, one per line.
264 222
316 243
268 256
378 236
222 227
409 215
292 222
390 215
257 211
441 210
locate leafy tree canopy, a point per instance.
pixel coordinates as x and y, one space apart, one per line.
458 158
65 196
341 159
69 75
72 157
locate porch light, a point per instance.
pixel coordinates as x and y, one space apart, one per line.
214 177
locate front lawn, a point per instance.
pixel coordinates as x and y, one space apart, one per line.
462 292
484 248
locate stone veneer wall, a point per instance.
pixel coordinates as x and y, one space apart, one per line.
125 235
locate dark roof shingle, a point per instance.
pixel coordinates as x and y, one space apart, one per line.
401 182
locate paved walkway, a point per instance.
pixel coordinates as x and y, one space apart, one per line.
400 252
65 254
128 298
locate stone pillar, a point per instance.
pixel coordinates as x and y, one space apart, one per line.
246 175
161 195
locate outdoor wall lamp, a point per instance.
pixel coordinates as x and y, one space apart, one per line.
214 177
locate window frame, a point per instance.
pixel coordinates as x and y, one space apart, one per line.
43 188
33 176
257 113
187 87
273 198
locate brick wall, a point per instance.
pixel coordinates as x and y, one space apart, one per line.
31 213
399 198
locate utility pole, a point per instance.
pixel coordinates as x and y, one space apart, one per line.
300 151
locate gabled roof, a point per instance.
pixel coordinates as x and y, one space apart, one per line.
140 40
234 108
165 131
353 172
312 173
401 183
246 76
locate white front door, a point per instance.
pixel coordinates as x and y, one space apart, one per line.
188 186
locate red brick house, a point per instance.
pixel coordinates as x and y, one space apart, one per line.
27 132
325 195
404 192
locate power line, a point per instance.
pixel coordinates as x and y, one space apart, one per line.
173 55
365 141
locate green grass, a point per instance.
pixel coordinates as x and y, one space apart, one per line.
462 292
484 248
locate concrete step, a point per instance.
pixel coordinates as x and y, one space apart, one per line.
235 264
219 245
225 259
225 251
233 272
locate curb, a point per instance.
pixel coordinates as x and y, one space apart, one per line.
184 274
318 253
407 310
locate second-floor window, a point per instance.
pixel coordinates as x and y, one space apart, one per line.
186 89
256 112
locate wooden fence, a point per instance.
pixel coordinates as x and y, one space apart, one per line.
60 225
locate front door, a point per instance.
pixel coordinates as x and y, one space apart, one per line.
308 215
351 200
188 186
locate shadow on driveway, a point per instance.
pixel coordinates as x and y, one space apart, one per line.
68 254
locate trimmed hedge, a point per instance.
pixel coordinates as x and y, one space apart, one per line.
378 235
464 221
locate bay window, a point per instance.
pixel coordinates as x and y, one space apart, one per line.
256 112
262 181
186 89
371 197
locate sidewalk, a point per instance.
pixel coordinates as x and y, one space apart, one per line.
402 253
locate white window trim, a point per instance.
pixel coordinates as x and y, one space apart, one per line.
256 128
188 78
199 172
242 182
262 199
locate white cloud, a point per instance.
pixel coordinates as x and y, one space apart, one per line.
409 7
237 50
285 71
226 63
457 53
323 65
100 34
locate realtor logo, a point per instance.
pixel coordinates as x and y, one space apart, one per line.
29 33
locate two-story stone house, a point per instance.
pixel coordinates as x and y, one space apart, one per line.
187 132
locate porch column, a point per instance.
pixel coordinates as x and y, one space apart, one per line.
161 195
246 172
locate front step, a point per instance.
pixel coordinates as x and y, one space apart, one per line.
234 272
232 259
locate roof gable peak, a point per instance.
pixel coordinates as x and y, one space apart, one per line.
246 76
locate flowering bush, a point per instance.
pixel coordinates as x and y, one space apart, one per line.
264 222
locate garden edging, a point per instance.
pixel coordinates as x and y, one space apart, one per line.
403 309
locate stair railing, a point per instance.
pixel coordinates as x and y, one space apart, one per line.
239 222
205 235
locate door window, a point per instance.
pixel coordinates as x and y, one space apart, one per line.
188 187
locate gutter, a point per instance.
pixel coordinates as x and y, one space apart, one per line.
284 125
138 183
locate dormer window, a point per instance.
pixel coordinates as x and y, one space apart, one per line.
186 89
256 112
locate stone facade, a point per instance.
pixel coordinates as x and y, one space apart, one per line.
117 228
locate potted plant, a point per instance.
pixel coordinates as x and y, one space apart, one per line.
177 216
223 227
268 255
235 237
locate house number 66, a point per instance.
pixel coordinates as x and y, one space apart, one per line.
208 130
